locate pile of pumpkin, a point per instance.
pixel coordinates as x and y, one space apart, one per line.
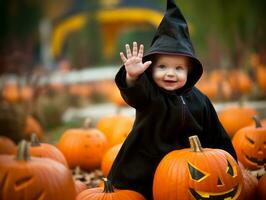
223 85
44 171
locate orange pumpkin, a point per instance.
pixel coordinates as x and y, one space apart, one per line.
108 192
235 117
26 93
33 126
46 150
197 173
254 60
121 129
80 90
260 77
116 128
261 188
249 143
11 92
109 158
33 178
115 97
240 81
7 146
210 90
216 90
105 125
83 147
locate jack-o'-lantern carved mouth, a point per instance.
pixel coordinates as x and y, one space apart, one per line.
255 160
229 195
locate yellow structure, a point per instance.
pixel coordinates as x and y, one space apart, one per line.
111 21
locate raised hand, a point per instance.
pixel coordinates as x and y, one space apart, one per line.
133 61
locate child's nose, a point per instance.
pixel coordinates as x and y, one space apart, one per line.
170 72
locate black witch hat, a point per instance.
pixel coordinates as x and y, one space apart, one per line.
172 37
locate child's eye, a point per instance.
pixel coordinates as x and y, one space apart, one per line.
179 68
161 67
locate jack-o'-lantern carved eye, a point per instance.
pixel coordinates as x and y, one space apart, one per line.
195 173
229 169
249 139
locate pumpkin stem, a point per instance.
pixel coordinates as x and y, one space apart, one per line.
108 188
34 140
195 144
87 123
23 151
257 121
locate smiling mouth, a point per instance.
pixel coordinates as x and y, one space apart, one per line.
255 160
229 195
169 81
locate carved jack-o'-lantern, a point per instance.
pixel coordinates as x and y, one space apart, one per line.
25 177
250 146
200 173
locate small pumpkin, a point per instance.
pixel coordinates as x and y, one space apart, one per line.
10 92
260 77
26 93
249 143
197 173
33 126
108 192
7 146
234 118
25 177
261 188
83 147
109 158
46 150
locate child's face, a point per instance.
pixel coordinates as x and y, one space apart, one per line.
170 71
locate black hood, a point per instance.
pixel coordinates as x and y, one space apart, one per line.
172 37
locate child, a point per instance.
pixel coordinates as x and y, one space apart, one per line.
169 109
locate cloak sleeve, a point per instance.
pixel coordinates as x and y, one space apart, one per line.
138 95
217 136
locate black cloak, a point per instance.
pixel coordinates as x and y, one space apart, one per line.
164 120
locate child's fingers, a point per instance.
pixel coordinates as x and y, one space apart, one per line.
146 65
141 50
123 57
135 49
129 55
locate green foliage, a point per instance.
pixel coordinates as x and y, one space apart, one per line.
237 27
53 135
19 18
12 121
142 35
222 30
50 108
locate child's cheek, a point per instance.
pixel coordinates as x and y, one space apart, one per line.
182 76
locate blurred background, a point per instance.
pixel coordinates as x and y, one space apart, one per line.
58 58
